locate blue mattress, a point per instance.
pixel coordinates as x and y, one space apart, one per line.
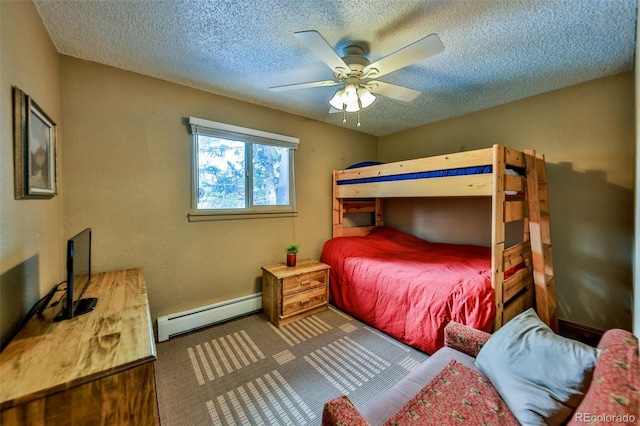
421 175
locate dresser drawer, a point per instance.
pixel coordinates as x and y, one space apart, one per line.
303 282
304 300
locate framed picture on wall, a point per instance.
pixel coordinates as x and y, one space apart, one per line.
34 140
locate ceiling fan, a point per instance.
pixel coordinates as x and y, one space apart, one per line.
357 75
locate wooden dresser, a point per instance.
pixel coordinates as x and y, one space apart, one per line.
97 368
292 293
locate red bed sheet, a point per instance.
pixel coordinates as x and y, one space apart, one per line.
410 288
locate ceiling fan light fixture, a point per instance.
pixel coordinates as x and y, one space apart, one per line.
352 98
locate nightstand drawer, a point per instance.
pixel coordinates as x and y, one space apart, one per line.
304 300
303 282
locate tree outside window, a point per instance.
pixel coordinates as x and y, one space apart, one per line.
235 174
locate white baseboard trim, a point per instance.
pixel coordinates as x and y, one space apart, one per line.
183 322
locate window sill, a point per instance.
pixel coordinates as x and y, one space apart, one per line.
205 217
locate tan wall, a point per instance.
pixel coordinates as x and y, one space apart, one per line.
128 173
587 135
31 242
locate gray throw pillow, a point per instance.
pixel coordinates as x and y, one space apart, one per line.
541 376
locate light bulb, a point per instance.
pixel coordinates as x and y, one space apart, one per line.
366 97
336 101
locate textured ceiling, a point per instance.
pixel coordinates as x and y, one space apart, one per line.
495 51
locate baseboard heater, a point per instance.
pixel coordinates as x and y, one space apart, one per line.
183 322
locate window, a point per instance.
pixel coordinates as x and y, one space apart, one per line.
239 171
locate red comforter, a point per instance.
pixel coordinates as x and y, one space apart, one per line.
410 288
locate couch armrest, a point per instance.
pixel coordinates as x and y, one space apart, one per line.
464 338
341 412
614 394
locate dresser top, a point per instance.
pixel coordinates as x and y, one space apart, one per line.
47 356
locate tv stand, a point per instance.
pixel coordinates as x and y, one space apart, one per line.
81 307
85 305
94 369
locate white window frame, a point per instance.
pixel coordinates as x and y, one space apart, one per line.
200 126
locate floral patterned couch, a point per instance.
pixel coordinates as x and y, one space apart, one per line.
451 387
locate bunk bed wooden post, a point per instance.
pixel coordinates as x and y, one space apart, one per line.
338 210
540 234
379 215
498 232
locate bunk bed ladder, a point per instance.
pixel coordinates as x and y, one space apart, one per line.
540 237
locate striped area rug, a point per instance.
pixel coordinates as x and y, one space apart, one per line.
249 372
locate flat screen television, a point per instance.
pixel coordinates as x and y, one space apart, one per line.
78 277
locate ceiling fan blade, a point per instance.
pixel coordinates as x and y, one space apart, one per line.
415 52
325 83
318 45
393 91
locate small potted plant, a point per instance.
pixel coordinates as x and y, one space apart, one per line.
292 252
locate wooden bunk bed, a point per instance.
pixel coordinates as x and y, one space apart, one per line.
513 198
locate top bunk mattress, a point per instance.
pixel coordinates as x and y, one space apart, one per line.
463 171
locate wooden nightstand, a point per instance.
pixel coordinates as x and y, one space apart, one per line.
292 293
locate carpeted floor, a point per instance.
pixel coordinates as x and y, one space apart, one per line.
248 372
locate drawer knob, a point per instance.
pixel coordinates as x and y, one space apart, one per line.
304 302
302 284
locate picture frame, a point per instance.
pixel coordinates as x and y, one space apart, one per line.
34 139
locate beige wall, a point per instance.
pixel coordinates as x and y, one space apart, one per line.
128 173
587 135
31 242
